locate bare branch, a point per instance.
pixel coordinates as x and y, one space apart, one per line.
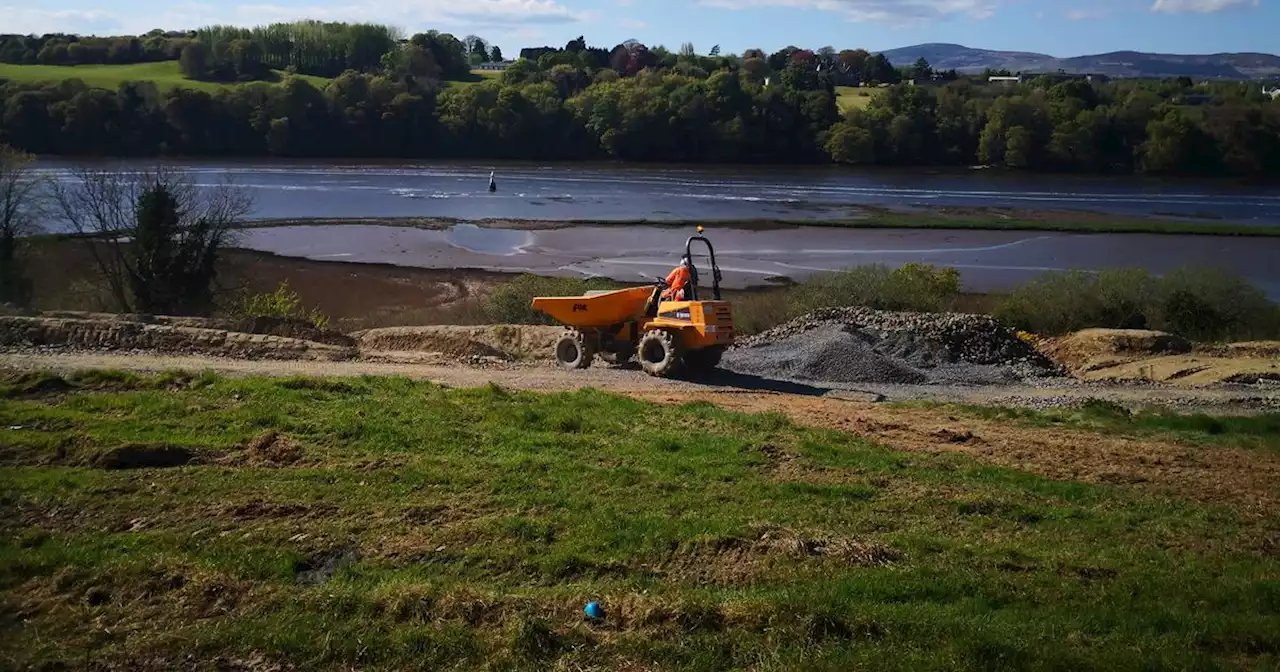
23 194
102 206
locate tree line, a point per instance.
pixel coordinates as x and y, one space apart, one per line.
632 102
1068 124
67 49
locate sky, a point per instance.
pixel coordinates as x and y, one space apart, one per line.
1057 27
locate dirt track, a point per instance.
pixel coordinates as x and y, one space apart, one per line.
1239 478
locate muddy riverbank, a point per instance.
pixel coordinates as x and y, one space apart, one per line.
990 261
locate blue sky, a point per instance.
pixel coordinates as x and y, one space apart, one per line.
1059 28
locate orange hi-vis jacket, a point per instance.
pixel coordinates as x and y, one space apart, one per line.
676 282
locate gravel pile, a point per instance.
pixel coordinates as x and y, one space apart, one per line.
860 345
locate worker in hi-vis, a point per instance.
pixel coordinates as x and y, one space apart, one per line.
677 280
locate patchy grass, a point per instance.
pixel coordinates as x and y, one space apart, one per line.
854 97
1259 431
165 75
408 525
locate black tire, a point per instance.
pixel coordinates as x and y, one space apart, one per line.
660 353
573 351
704 359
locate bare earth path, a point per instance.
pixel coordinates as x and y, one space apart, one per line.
1242 479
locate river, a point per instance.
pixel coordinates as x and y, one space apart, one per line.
295 189
989 260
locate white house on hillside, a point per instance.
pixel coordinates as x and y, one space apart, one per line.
1007 81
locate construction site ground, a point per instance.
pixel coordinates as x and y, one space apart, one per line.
1223 475
427 526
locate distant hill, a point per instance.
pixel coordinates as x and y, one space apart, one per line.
1115 64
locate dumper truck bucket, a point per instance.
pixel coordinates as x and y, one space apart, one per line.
596 309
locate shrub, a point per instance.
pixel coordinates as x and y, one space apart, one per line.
509 304
1201 304
282 303
918 287
1059 302
914 287
1209 304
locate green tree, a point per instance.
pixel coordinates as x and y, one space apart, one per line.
246 59
1018 147
194 61
850 144
922 70
1169 144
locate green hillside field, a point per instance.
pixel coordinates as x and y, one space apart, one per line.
852 97
165 74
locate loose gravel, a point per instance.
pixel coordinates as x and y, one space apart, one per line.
860 345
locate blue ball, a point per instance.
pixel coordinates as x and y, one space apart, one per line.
594 610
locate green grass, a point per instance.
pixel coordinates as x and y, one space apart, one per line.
165 74
475 77
1257 432
399 524
854 97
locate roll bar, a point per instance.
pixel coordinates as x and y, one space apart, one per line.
693 271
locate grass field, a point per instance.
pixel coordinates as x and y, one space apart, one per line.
476 77
165 74
386 524
852 97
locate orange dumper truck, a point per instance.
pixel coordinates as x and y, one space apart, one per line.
666 337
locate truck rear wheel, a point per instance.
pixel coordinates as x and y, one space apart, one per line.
574 351
660 353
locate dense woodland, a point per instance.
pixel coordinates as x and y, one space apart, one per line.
397 97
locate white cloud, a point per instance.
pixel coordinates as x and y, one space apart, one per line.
1201 6
410 15
24 20
1086 14
879 11
414 14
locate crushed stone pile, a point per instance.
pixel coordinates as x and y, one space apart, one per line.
861 345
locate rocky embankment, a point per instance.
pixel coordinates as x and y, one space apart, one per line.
173 336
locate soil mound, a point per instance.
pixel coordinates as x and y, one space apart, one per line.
121 333
288 327
500 341
1091 349
268 449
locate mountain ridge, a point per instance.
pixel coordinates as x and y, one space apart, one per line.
1124 63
